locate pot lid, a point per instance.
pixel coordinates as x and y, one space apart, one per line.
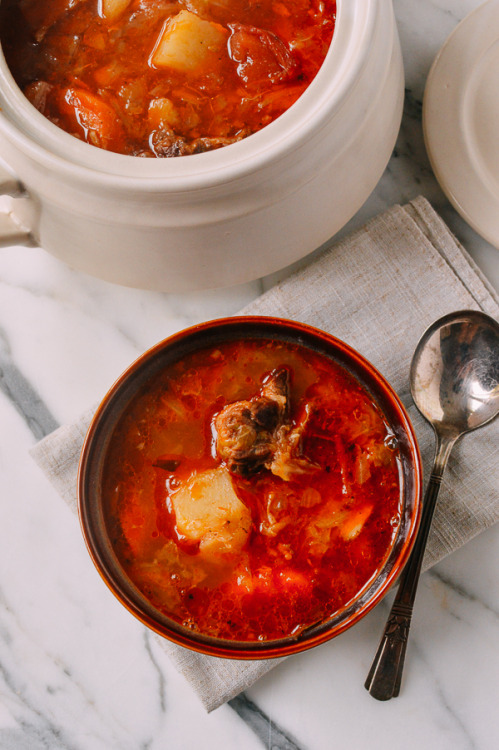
461 119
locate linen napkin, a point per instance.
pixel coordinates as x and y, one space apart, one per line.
378 290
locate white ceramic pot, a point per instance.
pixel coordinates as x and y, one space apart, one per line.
222 217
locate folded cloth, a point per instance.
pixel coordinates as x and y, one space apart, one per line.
378 290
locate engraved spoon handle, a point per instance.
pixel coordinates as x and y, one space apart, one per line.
385 675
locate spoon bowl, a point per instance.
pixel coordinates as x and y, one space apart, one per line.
455 372
455 385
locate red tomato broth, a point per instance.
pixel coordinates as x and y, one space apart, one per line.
96 78
304 559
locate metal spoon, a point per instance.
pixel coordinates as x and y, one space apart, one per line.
455 385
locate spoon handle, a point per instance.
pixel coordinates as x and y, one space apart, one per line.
385 675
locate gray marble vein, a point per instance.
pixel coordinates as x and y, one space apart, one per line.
158 670
462 592
466 741
22 395
41 422
271 735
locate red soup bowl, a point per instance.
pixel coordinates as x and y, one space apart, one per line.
250 487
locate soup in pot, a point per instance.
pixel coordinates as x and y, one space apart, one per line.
252 490
161 78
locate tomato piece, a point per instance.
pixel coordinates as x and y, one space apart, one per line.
93 118
260 55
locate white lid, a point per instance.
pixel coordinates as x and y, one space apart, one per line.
461 119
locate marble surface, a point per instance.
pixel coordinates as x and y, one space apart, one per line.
76 671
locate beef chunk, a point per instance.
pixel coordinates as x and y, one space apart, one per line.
256 434
245 429
165 144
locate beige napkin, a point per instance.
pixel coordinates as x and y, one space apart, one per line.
377 290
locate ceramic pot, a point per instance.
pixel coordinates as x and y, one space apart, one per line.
223 217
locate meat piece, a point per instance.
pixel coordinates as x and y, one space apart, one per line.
260 55
286 461
256 434
42 16
200 145
37 93
165 143
245 429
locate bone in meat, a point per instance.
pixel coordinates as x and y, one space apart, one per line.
251 435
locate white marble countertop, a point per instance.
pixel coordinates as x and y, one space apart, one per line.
76 671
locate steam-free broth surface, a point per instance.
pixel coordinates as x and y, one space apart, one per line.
164 78
282 532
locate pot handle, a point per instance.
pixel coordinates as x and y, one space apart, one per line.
16 212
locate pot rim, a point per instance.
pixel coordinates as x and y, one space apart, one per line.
374 590
54 149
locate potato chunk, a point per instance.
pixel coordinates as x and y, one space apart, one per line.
208 511
205 8
163 114
111 9
189 44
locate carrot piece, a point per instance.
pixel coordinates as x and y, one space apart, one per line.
97 119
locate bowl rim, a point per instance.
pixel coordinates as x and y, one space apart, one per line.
55 149
137 604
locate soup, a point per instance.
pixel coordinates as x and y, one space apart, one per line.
252 490
161 78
